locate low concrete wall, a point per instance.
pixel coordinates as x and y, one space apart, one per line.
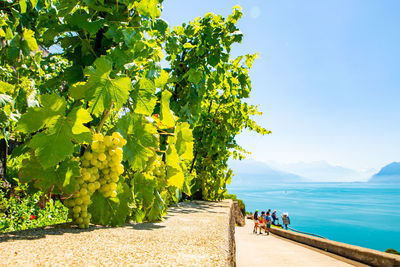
365 255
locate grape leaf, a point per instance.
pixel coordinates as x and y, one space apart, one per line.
101 91
155 213
6 87
148 8
140 135
162 80
111 211
184 141
144 186
175 176
166 116
56 143
143 97
36 118
30 39
34 3
61 179
22 5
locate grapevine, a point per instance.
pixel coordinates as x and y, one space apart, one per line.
173 129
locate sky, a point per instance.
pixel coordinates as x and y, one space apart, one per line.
327 79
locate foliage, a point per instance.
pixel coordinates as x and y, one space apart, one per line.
179 122
392 251
21 209
240 202
209 89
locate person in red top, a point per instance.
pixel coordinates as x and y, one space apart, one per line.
261 222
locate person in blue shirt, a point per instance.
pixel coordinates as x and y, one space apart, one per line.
274 218
268 223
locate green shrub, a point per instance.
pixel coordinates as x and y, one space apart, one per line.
392 251
19 211
240 202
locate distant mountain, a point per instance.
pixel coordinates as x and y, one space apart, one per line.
388 174
322 171
251 172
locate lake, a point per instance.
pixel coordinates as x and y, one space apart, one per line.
361 214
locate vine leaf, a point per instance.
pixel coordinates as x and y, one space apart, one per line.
62 177
184 141
36 118
6 87
30 39
156 211
148 8
22 5
175 176
141 139
101 91
166 116
55 143
111 211
143 97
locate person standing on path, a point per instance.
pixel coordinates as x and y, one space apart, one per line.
268 223
262 222
285 219
255 218
274 218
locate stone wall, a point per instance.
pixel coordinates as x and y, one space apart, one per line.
239 217
365 255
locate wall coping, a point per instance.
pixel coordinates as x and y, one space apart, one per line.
364 255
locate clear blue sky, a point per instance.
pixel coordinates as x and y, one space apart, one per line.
327 79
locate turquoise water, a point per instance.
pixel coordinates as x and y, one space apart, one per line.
361 214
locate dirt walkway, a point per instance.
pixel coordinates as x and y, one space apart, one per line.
262 250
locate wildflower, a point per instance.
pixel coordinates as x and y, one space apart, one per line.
32 217
22 217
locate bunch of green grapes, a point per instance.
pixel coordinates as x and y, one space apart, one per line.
100 170
157 167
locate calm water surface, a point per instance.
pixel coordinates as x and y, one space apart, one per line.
366 215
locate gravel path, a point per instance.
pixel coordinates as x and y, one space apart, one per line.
190 235
271 250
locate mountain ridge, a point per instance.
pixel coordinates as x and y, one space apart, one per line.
387 174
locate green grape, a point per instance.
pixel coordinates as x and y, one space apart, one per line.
83 191
113 186
91 187
79 220
87 156
77 209
78 201
97 185
102 157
